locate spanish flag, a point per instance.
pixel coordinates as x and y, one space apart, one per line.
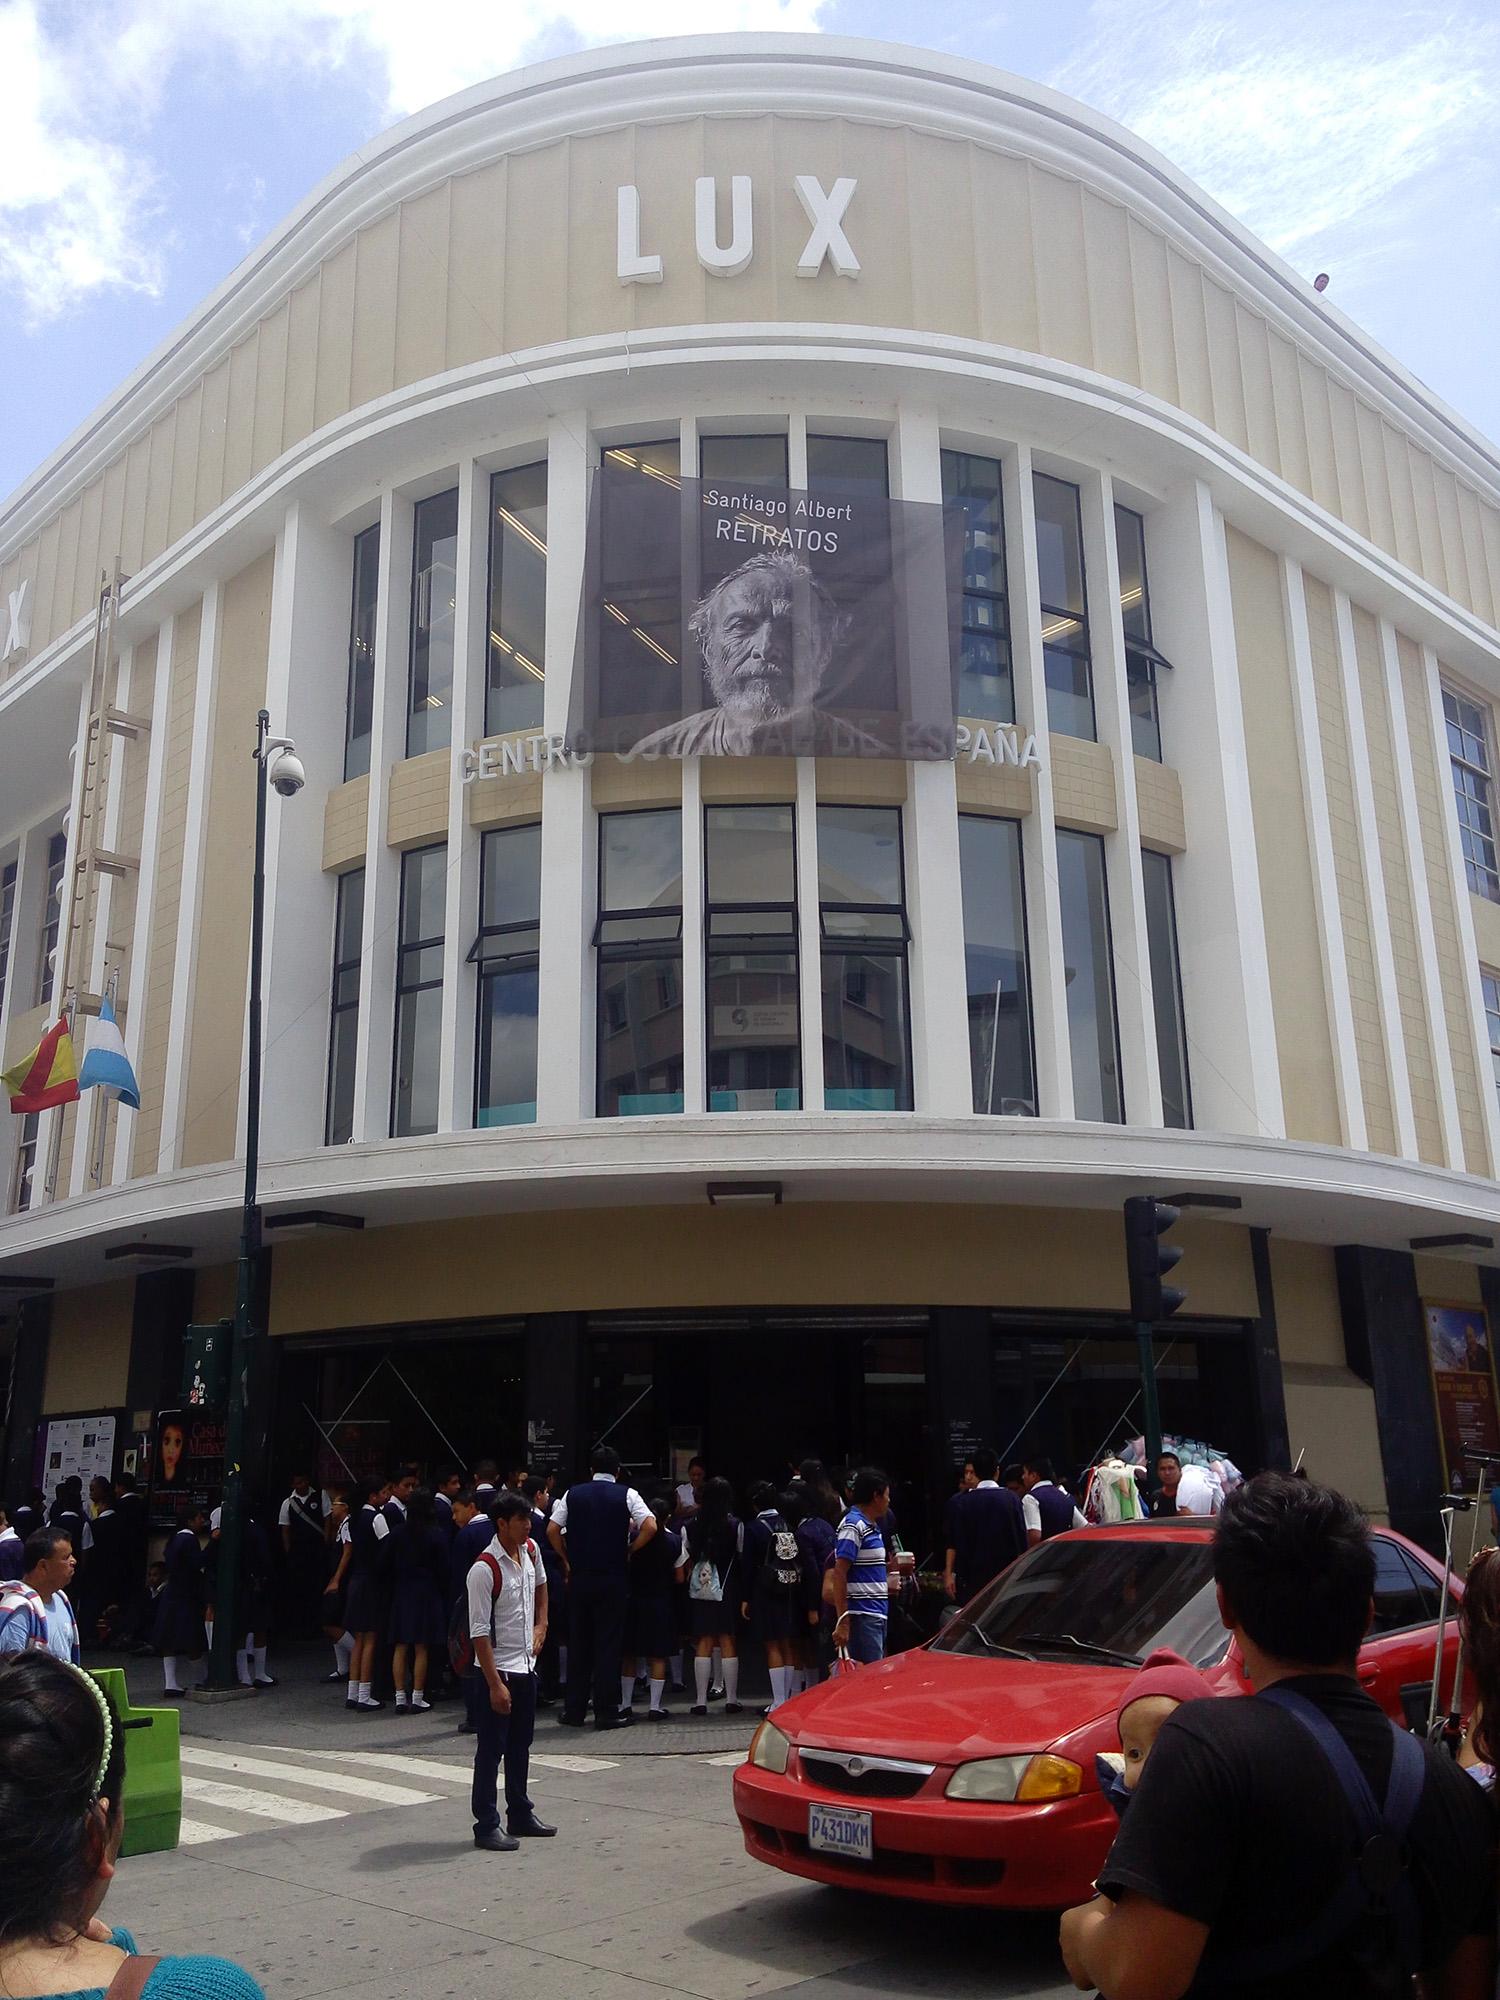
48 1076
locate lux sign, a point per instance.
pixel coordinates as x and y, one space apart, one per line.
825 212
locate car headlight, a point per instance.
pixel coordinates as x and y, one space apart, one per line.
1024 1780
769 1749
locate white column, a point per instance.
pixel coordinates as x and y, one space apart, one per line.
190 898
1130 941
1325 879
694 970
942 1085
1421 902
1225 977
307 699
1387 993
809 935
1044 945
153 701
377 991
461 916
566 976
1463 916
91 1129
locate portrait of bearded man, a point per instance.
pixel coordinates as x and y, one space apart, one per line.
769 634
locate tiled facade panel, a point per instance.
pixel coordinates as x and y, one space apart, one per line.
1433 804
1398 894
1304 1044
152 1031
1333 731
960 239
1083 784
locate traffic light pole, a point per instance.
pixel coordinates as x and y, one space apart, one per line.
1151 1427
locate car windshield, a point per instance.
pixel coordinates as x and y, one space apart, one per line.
1097 1598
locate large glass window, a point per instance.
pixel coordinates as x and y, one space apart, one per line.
854 464
760 459
434 596
640 635
50 930
505 951
359 713
1142 661
1065 632
419 992
639 941
1469 754
1491 983
975 517
348 924
866 1043
1000 1045
1093 1038
1166 990
517 645
7 921
753 1012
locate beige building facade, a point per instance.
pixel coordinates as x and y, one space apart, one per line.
1208 900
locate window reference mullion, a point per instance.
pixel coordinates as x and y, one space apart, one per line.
338 1124
419 1009
638 942
1166 990
864 975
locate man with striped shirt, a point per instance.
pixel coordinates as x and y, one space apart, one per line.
860 1596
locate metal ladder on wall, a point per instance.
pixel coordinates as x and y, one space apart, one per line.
106 731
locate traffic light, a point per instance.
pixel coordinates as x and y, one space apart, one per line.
1148 1259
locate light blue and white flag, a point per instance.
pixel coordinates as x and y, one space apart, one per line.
105 1062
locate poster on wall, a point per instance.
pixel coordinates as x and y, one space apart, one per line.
734 619
1463 1383
80 1448
187 1464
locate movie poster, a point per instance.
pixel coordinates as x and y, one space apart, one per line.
750 619
1463 1383
187 1464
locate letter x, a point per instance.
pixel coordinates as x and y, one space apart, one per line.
826 214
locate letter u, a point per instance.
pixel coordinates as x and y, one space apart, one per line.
723 263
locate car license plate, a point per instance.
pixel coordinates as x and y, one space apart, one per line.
842 1830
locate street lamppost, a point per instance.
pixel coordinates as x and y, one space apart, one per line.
276 763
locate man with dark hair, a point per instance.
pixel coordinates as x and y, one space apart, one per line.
35 1614
473 1531
1168 1479
1047 1509
1244 1864
990 1529
968 1479
860 1597
508 1626
595 1528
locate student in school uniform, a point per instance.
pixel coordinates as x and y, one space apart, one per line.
650 1615
816 1536
712 1565
473 1533
774 1587
552 1667
304 1549
339 1554
419 1570
507 1596
368 1601
178 1634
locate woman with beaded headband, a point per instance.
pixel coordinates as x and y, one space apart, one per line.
62 1774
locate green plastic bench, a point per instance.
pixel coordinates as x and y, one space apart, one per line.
153 1769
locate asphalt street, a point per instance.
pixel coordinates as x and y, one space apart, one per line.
331 1855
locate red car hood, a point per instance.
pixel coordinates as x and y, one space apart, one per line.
948 1707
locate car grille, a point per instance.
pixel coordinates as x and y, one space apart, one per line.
860 1777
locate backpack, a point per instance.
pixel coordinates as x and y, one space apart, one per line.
705 1586
782 1573
460 1642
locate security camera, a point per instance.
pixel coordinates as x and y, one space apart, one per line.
287 775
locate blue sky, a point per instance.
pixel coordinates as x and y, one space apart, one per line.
145 148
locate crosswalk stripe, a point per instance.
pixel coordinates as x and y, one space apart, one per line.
260 1805
455 1773
193 1832
298 1774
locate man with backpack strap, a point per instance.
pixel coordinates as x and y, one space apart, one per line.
1294 1843
35 1615
507 1628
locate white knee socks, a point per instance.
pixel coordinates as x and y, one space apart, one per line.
658 1689
172 1673
779 1689
701 1671
343 1652
731 1681
627 1690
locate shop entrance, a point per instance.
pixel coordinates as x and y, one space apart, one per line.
754 1393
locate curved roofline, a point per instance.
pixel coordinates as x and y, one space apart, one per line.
578 92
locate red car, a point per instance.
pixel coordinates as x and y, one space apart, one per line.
963 1772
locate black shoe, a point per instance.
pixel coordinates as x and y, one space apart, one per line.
571 1722
657 1715
329 1679
467 1729
533 1829
351 1704
612 1722
698 1708
496 1842
734 1707
625 1717
716 1694
266 1681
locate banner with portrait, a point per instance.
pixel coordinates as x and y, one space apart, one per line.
753 619
187 1464
1463 1386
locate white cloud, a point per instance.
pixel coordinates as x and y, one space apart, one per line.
1310 125
80 201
